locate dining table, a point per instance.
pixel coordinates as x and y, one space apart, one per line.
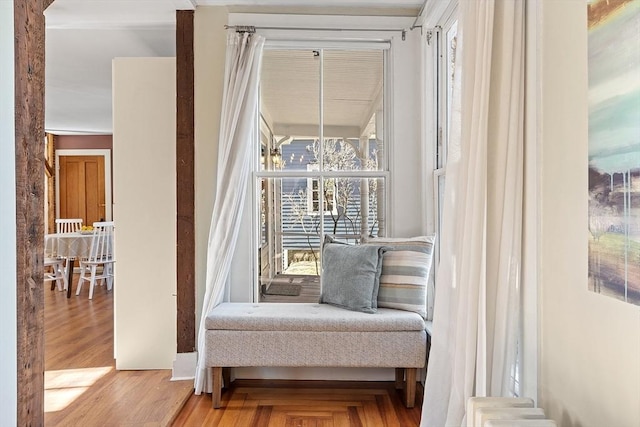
70 246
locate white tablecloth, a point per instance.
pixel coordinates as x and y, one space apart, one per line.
69 245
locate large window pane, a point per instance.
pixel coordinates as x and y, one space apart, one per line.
449 78
291 232
289 100
292 226
355 206
352 103
322 161
289 253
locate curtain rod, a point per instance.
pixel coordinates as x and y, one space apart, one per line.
252 29
419 15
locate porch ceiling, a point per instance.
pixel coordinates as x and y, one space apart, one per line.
352 91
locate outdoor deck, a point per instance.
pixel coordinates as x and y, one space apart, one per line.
309 288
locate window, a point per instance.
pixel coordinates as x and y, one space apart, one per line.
440 62
447 39
313 195
448 82
322 116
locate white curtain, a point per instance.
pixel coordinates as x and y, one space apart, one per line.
476 310
237 135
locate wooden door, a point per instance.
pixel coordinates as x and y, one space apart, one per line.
82 188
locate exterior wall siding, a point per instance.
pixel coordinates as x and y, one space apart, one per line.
296 157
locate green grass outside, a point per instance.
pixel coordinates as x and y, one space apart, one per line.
607 268
612 243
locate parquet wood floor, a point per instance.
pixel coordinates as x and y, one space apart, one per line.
267 403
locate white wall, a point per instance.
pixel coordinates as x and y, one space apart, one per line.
8 313
144 186
589 344
210 41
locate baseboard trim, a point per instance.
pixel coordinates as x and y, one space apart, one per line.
184 367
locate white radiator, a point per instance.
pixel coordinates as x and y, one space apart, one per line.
505 411
520 423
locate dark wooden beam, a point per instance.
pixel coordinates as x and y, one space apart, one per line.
185 152
29 144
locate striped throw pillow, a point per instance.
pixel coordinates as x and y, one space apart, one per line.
405 272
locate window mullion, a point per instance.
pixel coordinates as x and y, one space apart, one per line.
324 174
321 153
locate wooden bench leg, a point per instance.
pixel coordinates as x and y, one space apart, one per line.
216 394
399 378
410 387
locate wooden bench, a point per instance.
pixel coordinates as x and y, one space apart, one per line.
314 335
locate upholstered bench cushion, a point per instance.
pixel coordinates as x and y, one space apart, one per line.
309 317
406 349
313 335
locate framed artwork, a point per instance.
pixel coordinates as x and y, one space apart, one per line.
614 148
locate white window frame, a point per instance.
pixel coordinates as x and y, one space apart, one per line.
435 23
320 174
443 102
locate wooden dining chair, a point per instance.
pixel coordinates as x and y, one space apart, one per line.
68 225
54 266
101 255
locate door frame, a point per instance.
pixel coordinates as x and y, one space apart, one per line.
106 153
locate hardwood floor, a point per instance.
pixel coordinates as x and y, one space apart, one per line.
266 403
82 386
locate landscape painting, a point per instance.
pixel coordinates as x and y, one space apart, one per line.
614 148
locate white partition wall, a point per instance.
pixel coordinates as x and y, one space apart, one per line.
144 195
8 347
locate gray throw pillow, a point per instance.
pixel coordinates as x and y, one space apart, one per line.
351 276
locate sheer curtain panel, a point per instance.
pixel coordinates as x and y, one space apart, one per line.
475 325
237 136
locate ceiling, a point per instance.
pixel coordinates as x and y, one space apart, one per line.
83 36
352 91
